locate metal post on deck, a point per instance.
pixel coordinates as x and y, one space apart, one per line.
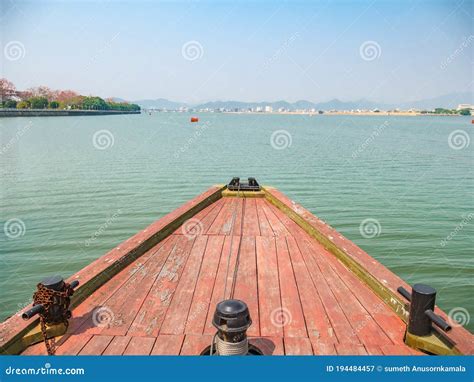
422 304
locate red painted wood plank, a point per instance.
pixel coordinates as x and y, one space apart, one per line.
274 218
175 318
292 314
204 286
268 288
364 325
339 321
152 312
232 224
250 224
396 350
36 349
322 348
200 223
117 346
195 344
297 346
224 216
140 346
317 321
373 350
265 227
74 344
167 344
268 345
96 345
350 349
246 287
123 305
227 262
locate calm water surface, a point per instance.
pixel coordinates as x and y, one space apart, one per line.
79 191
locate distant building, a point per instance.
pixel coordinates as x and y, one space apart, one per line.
465 106
268 109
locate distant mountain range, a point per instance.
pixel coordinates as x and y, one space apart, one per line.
446 101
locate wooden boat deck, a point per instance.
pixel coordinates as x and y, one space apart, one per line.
302 298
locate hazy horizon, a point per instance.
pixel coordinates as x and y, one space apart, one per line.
249 52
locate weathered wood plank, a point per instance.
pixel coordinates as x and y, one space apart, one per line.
246 286
250 223
152 312
175 318
350 349
126 302
317 321
117 346
227 262
272 318
140 346
167 344
195 344
96 345
293 320
265 227
297 346
204 286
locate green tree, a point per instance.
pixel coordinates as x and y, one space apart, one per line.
38 102
53 104
94 103
23 105
465 112
10 103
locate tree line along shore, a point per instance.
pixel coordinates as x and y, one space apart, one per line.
43 98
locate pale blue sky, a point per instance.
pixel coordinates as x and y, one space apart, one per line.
250 50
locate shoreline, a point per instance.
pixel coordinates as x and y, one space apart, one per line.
382 113
8 113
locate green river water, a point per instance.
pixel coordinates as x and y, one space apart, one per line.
72 188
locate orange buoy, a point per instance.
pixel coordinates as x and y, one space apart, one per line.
194 119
